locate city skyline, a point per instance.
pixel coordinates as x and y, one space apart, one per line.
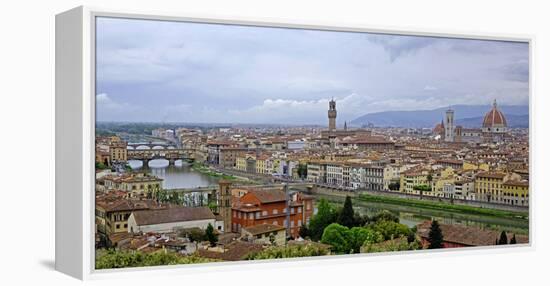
209 73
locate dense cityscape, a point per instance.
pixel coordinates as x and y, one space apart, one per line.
177 193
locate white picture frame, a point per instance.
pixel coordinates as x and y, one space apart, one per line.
75 125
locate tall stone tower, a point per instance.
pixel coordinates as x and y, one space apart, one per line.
332 115
224 203
449 125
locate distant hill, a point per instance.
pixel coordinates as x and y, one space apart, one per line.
465 115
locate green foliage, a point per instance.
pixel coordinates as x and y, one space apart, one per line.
337 236
441 206
422 188
400 244
213 206
345 240
210 235
358 236
395 186
107 259
194 234
100 166
435 236
302 170
289 251
503 238
384 216
326 214
360 220
390 229
304 231
346 217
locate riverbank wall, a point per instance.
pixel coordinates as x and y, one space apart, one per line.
479 204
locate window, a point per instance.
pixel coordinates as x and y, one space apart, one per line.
275 211
264 213
299 210
251 216
291 210
291 223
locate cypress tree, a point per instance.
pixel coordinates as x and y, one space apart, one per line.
435 237
513 240
503 238
346 217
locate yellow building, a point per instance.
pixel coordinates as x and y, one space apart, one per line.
136 184
261 165
414 178
112 216
118 151
240 163
444 178
516 192
489 186
467 166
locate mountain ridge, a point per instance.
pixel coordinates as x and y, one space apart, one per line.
465 115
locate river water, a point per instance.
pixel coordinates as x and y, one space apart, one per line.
181 175
175 176
412 216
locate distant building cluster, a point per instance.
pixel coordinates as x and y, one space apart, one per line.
134 211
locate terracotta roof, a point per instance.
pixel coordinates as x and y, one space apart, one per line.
516 183
263 228
494 175
467 235
235 251
269 196
494 118
176 214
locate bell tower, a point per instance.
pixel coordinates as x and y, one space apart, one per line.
332 115
449 125
224 204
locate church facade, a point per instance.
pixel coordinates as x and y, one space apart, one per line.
494 128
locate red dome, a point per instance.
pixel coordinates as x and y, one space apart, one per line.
494 118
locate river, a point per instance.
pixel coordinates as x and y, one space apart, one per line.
180 175
412 216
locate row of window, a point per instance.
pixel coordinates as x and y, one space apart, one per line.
238 214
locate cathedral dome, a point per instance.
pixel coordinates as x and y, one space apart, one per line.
494 118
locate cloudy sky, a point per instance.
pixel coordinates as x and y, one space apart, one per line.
160 71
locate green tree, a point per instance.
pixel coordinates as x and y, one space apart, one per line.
337 236
384 216
391 229
304 231
435 236
302 170
503 238
107 259
513 240
194 234
357 236
346 217
210 235
326 214
307 250
394 186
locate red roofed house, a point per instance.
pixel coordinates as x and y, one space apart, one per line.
270 207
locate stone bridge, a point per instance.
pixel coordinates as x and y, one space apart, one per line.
169 154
